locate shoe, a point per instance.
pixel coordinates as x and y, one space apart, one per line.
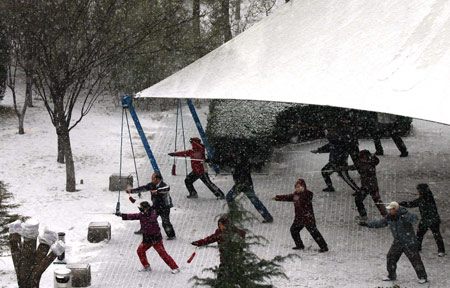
404 154
298 247
362 219
387 278
270 220
175 271
138 232
171 238
328 189
193 196
441 254
145 269
379 153
422 281
324 249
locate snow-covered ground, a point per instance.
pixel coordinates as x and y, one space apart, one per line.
356 257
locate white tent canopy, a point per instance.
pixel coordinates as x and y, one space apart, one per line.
388 56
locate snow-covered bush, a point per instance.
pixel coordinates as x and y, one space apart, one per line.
243 126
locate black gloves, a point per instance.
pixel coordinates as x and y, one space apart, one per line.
171 154
362 224
195 243
403 203
118 214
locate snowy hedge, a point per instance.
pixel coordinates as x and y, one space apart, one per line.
243 126
254 127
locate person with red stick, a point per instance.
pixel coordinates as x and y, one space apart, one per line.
151 236
304 215
198 156
219 236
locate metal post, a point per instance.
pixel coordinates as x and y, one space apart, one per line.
202 133
127 103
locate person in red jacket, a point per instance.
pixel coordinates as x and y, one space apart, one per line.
304 215
197 155
151 236
218 236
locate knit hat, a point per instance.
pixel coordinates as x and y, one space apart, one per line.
364 153
196 139
301 182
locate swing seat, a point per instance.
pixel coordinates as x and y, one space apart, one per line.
117 182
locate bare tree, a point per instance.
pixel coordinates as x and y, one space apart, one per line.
196 26
226 28
76 42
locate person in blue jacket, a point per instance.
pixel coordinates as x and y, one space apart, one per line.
401 223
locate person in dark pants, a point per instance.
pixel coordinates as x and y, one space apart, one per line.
304 215
151 236
429 217
348 133
243 183
162 202
197 155
337 161
388 123
401 223
369 184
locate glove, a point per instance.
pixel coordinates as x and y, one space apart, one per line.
128 191
207 160
195 243
403 203
362 224
314 151
132 199
118 214
171 154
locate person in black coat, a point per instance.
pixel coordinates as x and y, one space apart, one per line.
366 168
429 216
388 123
337 161
162 202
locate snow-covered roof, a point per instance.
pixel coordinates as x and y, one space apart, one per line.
389 56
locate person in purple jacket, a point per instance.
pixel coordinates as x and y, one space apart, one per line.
151 235
304 215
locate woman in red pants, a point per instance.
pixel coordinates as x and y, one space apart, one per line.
151 235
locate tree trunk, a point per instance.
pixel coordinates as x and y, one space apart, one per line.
21 115
70 167
28 89
237 15
60 158
196 26
28 262
226 28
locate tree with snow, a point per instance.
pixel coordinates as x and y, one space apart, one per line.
239 266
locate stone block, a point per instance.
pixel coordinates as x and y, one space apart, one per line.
125 182
81 274
99 231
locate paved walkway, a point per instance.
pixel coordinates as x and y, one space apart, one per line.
357 255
